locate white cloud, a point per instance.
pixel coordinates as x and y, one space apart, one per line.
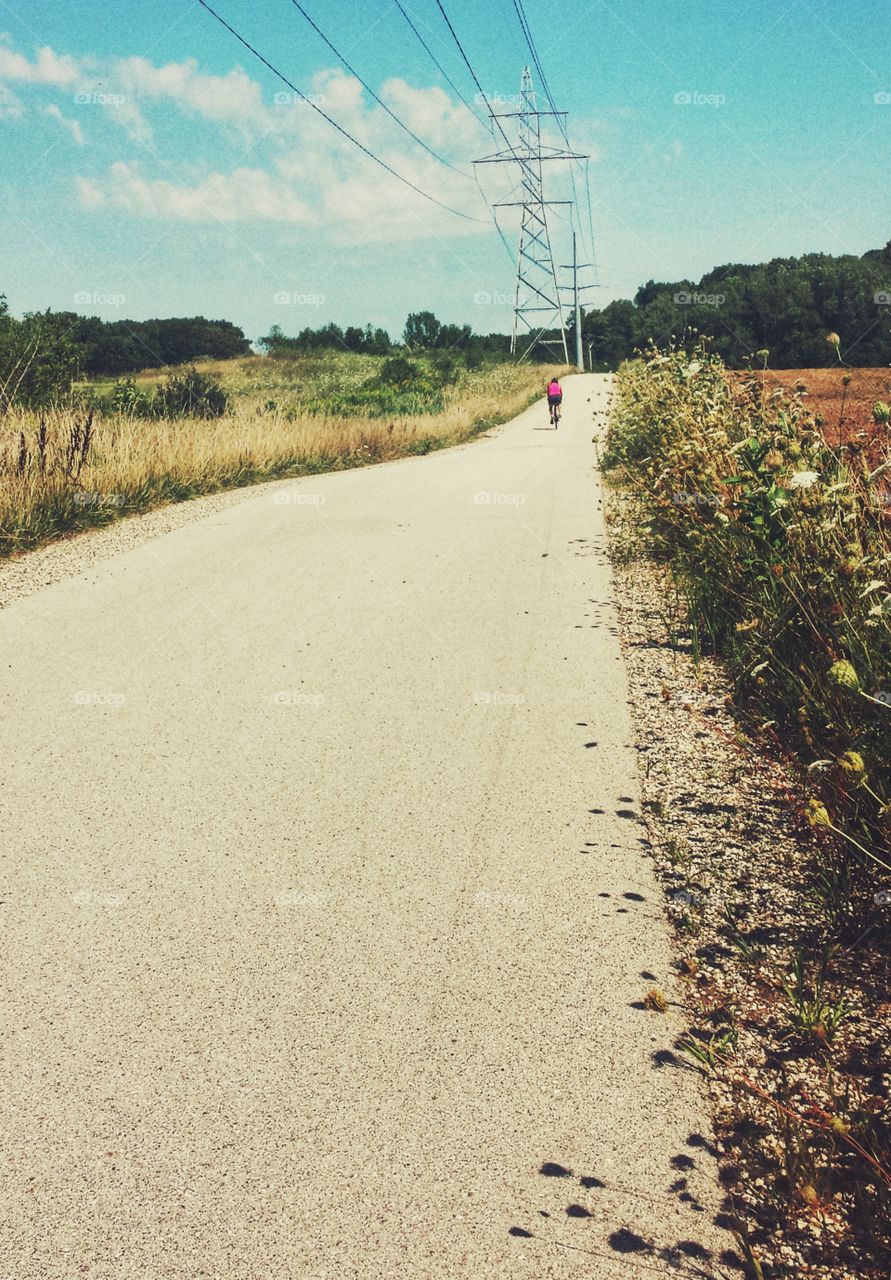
72 126
301 169
47 68
244 195
10 106
431 114
232 99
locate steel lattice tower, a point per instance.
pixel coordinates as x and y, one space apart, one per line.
537 307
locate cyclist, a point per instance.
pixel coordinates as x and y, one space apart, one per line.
555 399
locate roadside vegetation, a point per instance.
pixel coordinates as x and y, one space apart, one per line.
770 529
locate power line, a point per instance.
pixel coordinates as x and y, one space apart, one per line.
502 236
533 50
524 25
368 89
340 129
473 74
442 69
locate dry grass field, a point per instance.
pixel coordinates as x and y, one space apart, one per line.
77 467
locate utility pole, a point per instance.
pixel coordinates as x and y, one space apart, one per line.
541 309
579 358
575 267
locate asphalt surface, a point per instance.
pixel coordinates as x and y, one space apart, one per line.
327 918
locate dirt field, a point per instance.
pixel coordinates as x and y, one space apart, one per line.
846 410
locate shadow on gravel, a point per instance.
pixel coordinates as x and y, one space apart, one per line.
687 1257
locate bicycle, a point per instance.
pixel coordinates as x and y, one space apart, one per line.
555 414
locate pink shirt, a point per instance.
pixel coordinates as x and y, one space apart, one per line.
555 389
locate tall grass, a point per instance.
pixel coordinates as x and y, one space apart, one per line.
73 468
782 545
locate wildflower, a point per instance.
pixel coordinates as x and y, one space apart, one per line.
852 766
773 460
833 339
777 570
843 675
817 814
803 479
881 412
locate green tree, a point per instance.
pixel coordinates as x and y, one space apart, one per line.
422 331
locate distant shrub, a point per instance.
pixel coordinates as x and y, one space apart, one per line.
397 371
445 368
191 395
183 395
400 387
127 398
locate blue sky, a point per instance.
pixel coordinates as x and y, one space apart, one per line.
152 166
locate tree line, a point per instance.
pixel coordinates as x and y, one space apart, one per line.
44 352
785 307
423 332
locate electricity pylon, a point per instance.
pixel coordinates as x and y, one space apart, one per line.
538 310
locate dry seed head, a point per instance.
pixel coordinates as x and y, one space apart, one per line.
852 766
817 814
843 675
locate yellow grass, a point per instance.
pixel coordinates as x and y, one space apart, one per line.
131 464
